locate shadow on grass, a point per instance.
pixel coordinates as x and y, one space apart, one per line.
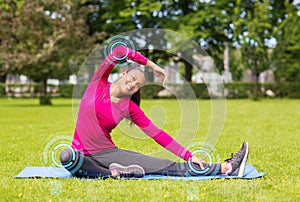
38 105
34 103
31 103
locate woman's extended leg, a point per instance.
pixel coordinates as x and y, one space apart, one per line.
97 165
154 165
234 166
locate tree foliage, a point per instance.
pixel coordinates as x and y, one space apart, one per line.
251 33
286 53
41 38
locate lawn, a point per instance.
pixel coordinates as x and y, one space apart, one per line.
271 127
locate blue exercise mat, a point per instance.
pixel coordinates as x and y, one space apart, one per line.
50 172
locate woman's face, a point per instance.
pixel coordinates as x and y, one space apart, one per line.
131 81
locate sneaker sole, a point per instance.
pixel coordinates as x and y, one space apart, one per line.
243 164
135 169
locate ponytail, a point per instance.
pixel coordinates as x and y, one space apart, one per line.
136 98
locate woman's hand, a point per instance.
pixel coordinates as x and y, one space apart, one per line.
158 71
161 74
198 161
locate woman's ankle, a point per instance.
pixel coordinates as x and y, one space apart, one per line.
225 167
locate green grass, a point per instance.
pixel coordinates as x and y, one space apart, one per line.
271 127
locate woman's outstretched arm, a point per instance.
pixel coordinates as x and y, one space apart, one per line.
160 136
119 54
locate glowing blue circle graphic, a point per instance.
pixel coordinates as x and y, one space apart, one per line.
116 41
53 146
56 148
195 170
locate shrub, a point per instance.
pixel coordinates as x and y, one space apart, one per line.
150 91
2 90
235 90
45 100
238 90
66 90
200 90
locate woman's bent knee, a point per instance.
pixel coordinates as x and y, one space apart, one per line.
65 155
71 159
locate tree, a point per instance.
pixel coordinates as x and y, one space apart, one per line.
177 15
112 19
206 22
46 37
251 32
8 56
286 53
236 64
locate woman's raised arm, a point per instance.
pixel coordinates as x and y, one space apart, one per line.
158 71
119 54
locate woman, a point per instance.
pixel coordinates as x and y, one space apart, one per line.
104 105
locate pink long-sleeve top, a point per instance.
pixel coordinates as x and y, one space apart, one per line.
98 115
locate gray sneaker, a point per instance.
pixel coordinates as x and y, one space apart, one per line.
238 161
127 171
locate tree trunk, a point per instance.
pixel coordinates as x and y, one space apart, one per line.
2 78
91 71
188 71
256 92
149 74
45 99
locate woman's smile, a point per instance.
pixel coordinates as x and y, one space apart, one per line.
129 86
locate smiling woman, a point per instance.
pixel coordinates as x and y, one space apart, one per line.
104 105
128 85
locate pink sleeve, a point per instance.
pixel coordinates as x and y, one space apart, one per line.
119 54
161 137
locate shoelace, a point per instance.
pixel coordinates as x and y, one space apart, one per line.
228 160
234 157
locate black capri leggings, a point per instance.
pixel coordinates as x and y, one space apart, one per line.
96 165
